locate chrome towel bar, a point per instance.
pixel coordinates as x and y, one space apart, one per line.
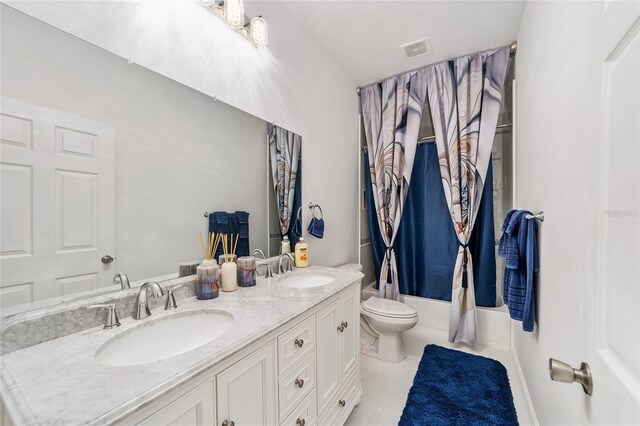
539 216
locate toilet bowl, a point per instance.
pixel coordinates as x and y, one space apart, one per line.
382 323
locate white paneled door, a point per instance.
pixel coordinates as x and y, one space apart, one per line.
57 203
613 301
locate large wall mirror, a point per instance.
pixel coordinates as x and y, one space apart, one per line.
101 159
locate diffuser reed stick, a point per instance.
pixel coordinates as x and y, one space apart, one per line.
235 246
210 249
204 251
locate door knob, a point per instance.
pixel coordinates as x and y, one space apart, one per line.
342 402
299 342
299 383
562 372
300 422
228 423
107 259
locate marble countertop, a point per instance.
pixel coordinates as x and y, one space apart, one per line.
60 382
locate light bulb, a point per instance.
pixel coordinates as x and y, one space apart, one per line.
259 32
234 13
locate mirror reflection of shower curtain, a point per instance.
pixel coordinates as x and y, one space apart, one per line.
284 149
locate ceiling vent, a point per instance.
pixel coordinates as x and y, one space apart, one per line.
417 48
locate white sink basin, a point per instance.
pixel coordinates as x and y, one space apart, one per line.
164 337
306 280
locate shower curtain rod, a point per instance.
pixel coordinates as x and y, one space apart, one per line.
425 139
433 138
512 52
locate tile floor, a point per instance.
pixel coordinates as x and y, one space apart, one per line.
386 385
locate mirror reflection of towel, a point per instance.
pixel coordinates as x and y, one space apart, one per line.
316 227
231 223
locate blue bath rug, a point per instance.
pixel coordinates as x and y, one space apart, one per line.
457 388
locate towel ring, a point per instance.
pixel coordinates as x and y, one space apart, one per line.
313 206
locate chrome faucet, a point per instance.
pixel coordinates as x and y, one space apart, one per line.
112 320
142 303
260 252
269 273
289 264
123 279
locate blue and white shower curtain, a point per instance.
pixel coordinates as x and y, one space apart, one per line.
464 96
392 111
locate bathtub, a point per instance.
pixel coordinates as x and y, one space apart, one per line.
433 324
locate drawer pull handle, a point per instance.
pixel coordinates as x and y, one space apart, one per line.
300 422
299 342
341 328
342 403
299 383
228 423
345 324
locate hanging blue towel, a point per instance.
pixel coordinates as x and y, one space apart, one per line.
231 223
519 248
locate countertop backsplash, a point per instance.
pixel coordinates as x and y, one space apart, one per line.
42 325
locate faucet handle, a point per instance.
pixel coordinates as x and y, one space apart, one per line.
171 300
269 273
112 320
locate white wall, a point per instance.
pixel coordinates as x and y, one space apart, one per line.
178 152
293 83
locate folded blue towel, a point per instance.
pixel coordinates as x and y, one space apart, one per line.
519 248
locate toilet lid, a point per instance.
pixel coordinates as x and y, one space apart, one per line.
388 308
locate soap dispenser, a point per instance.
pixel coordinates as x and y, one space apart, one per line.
302 254
286 245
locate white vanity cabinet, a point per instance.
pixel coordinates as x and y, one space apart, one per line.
338 330
196 408
303 374
246 391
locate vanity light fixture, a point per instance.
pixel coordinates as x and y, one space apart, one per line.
232 12
254 29
259 31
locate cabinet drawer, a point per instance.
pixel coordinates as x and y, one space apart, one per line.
336 414
295 344
297 384
304 414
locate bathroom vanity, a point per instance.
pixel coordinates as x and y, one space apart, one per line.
289 357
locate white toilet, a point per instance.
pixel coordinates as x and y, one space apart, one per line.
382 323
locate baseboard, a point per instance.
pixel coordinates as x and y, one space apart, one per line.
523 386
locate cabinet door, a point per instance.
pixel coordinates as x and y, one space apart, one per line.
350 336
246 391
328 352
195 408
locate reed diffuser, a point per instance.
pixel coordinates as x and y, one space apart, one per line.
208 273
229 269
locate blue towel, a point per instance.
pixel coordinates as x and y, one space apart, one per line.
519 248
231 223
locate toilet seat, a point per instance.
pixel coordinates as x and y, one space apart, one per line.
388 308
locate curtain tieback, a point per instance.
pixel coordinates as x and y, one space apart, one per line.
387 256
465 260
